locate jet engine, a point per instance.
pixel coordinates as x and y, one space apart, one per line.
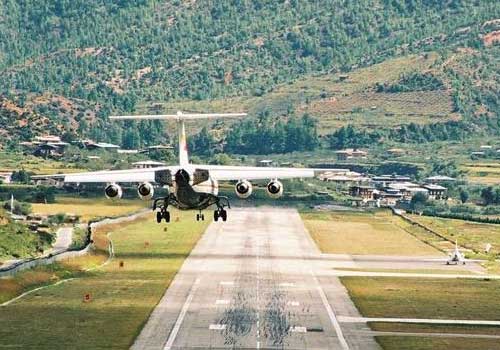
145 191
243 189
113 191
274 189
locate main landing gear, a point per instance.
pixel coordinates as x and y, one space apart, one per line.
163 203
220 213
200 216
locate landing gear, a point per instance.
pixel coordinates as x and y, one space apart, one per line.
163 213
200 217
220 213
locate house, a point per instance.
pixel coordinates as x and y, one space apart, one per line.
478 154
343 177
365 192
102 146
265 163
6 177
389 197
435 191
47 139
147 164
351 153
157 148
385 180
127 151
407 189
438 179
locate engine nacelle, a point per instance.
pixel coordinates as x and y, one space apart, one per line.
243 189
274 189
145 191
113 191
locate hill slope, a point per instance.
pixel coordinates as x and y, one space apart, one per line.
75 62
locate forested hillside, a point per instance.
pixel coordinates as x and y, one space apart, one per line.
67 64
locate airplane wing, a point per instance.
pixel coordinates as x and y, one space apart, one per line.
227 173
109 176
218 172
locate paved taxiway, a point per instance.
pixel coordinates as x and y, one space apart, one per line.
252 283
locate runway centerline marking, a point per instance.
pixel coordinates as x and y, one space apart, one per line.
182 314
222 302
226 283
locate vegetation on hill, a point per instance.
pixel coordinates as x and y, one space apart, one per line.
67 65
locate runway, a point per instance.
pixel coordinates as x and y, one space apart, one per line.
252 283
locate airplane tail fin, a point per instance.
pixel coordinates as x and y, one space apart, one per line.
180 118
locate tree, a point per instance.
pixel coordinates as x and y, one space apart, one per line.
488 195
418 201
464 195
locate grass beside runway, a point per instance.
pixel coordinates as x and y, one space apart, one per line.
467 299
455 271
436 343
121 297
433 328
353 232
90 208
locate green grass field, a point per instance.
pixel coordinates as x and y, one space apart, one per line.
122 298
441 343
433 328
425 298
471 235
90 208
486 173
10 161
457 271
363 233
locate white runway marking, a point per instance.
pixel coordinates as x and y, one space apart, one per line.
184 310
227 283
293 303
287 284
217 327
298 329
222 302
347 319
331 315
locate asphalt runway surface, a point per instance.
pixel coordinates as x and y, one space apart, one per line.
254 282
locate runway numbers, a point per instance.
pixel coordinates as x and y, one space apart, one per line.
222 302
217 327
297 329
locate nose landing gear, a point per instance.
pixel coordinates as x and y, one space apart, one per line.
200 216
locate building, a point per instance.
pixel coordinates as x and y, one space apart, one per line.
147 164
102 146
365 192
385 180
407 189
389 197
351 153
47 139
127 151
435 191
438 179
6 177
343 176
156 148
265 163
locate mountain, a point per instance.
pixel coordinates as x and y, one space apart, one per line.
67 64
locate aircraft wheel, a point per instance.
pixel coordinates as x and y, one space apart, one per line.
166 215
197 217
447 263
159 216
223 215
216 215
202 217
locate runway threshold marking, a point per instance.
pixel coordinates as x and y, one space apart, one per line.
293 303
298 329
178 322
217 327
226 283
222 302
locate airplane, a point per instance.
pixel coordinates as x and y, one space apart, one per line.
190 186
456 257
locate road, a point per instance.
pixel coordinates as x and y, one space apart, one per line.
252 283
63 240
